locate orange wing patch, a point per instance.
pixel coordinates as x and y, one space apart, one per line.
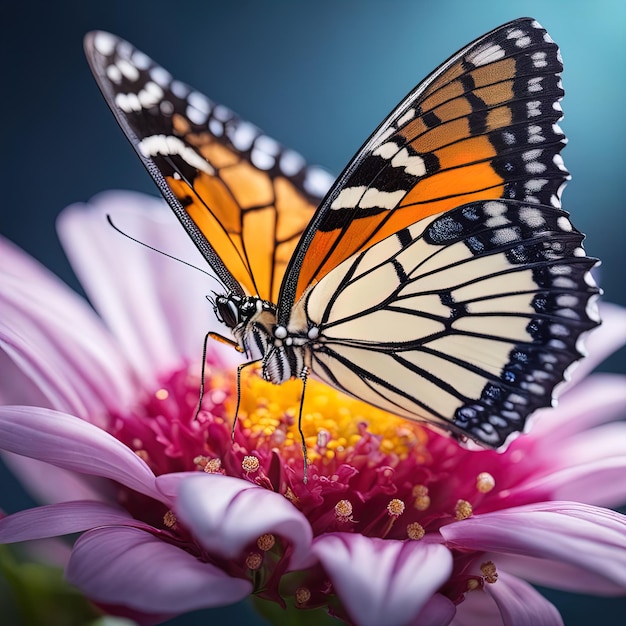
483 128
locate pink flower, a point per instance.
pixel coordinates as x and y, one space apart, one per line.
397 523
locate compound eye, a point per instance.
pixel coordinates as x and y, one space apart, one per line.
227 312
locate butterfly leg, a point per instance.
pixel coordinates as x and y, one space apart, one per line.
239 370
202 373
305 459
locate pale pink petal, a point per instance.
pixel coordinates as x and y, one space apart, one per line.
71 443
477 608
438 611
596 400
556 575
520 604
228 514
383 581
580 535
129 567
54 520
49 484
602 341
154 304
56 340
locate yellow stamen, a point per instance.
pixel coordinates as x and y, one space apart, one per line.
472 584
250 464
485 482
415 531
422 499
395 508
489 572
162 394
463 510
169 519
343 511
266 542
254 560
302 595
143 455
332 422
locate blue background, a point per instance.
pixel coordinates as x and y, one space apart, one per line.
318 76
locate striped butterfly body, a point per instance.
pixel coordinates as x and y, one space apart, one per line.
436 278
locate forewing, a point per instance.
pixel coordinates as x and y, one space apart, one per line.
468 319
482 126
242 197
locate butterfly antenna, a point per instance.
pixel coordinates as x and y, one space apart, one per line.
169 256
305 458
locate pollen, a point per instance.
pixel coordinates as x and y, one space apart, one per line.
485 482
266 542
395 508
415 531
162 394
422 499
208 464
250 464
332 423
343 511
302 595
254 560
169 519
489 572
462 510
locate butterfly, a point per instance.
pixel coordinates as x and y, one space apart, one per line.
437 277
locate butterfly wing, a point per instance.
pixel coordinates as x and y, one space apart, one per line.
482 126
468 319
243 198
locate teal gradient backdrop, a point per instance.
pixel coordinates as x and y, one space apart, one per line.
318 76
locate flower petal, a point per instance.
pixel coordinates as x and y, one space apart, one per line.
580 535
509 601
520 604
49 484
602 341
438 611
554 574
56 340
227 514
383 581
129 567
599 399
71 443
54 520
141 294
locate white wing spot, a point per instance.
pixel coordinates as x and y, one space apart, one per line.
267 144
539 59
243 136
168 145
128 102
317 181
128 70
386 151
104 43
348 197
486 54
564 224
114 74
261 159
493 209
413 165
179 89
373 198
409 115
291 162
160 76
140 60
